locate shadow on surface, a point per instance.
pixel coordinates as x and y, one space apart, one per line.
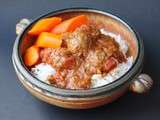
125 106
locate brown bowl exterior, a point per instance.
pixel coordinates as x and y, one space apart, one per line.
75 104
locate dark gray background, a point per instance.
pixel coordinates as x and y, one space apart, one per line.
17 104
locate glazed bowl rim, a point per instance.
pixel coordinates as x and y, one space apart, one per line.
127 77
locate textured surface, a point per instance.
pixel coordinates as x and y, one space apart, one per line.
17 104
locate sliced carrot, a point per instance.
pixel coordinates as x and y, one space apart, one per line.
70 25
49 40
44 25
31 56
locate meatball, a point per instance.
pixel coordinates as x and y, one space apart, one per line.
71 79
58 58
91 31
81 39
94 61
78 80
119 56
108 44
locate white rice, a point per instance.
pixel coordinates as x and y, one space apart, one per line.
43 71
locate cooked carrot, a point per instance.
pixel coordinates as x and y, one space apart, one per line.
31 56
44 25
70 25
49 40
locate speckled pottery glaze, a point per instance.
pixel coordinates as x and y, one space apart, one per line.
83 99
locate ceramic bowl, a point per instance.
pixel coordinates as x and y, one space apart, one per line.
83 99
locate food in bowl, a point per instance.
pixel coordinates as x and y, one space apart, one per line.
35 75
75 53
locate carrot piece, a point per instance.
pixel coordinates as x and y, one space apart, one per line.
70 25
45 25
31 56
49 40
